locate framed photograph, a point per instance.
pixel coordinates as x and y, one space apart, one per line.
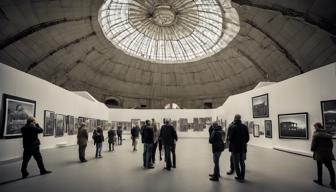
71 125
293 126
76 124
59 125
268 129
183 124
49 123
256 130
16 112
260 107
250 127
329 116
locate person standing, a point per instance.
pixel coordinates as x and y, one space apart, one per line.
322 146
119 133
156 139
135 132
98 138
239 137
82 139
111 138
217 140
148 140
230 149
31 146
168 137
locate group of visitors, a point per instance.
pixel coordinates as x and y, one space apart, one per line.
236 140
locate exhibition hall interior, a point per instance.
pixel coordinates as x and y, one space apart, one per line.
167 95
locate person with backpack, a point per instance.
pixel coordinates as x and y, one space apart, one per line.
217 141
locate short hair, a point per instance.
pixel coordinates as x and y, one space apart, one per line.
30 120
147 122
318 125
237 117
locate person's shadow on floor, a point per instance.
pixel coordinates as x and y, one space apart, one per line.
18 179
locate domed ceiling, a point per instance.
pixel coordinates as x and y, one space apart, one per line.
147 53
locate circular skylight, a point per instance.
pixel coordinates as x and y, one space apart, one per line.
169 31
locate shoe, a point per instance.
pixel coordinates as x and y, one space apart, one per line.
167 168
318 182
230 172
25 175
45 172
83 161
333 186
174 166
213 179
212 175
239 179
150 167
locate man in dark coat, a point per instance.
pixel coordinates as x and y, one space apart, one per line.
111 138
148 140
239 137
217 140
168 137
31 145
322 146
82 139
135 132
119 133
228 143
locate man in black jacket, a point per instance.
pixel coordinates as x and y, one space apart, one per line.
148 140
31 145
239 137
230 150
135 132
217 140
168 137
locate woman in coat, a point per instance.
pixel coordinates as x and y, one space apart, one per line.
322 146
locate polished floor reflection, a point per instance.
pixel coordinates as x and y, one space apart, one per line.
121 171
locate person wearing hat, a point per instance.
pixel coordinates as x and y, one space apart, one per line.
322 146
82 139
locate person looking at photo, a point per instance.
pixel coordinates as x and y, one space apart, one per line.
31 146
111 138
82 139
135 132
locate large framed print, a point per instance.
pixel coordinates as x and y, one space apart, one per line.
256 130
16 112
260 106
293 126
49 123
329 116
71 125
268 129
59 125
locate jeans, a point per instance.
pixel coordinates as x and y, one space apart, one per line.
81 152
147 154
231 163
135 143
27 154
111 146
168 150
239 164
99 147
330 167
216 156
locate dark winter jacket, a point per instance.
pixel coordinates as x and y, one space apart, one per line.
98 136
82 136
168 135
322 146
228 136
217 139
30 136
148 134
119 130
111 135
211 128
238 137
135 132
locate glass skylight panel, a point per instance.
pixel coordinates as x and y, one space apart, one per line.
175 31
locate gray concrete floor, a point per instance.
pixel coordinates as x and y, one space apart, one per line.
121 171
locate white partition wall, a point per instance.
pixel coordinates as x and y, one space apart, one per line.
302 93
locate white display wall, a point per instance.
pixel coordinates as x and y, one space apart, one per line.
299 94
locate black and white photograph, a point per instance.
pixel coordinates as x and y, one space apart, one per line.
329 116
59 125
250 126
256 130
268 129
260 106
71 125
49 123
293 126
183 125
17 110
